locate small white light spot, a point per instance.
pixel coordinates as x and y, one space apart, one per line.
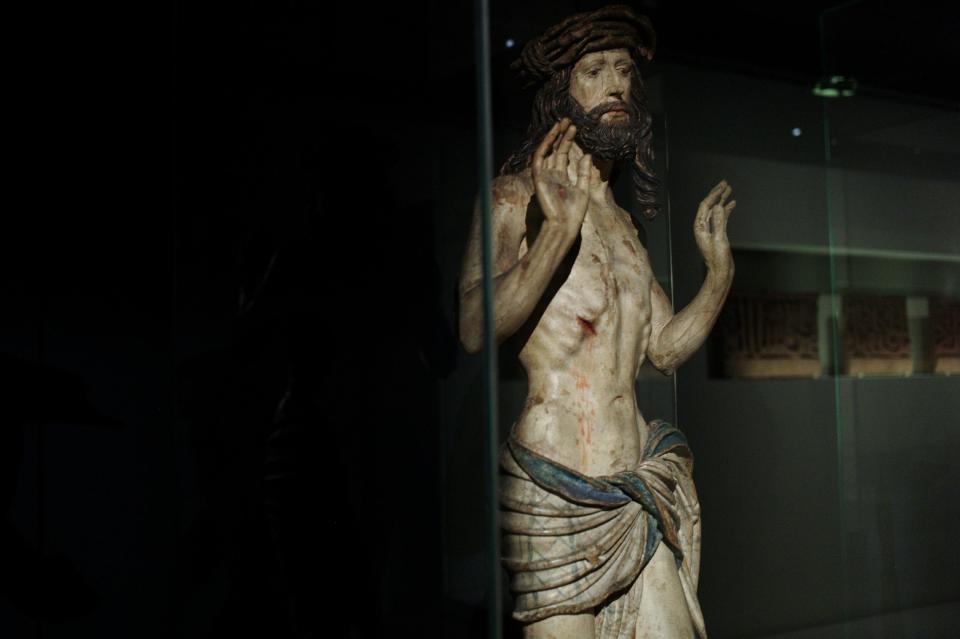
510 43
796 132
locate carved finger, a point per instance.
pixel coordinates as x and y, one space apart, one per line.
561 134
563 147
595 177
554 160
704 213
583 172
712 196
726 214
538 157
727 190
575 151
716 219
701 223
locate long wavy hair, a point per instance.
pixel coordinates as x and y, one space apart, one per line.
552 104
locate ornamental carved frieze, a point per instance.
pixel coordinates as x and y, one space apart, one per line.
945 334
876 338
770 335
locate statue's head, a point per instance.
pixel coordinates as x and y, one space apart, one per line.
589 70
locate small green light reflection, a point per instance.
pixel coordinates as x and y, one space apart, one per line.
835 86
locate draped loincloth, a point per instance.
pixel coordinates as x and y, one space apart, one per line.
576 544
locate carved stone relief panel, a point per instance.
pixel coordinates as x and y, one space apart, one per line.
945 329
770 335
876 339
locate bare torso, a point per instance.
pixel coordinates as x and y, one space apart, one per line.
582 360
584 354
584 283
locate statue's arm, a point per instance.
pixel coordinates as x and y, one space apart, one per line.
675 337
562 186
519 281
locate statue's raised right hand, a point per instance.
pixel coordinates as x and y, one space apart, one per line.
563 195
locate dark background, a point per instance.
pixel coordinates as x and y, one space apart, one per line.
225 329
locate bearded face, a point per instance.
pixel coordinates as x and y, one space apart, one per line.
612 138
603 95
598 102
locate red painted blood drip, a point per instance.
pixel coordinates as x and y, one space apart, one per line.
563 192
587 325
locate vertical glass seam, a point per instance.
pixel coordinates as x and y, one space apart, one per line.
835 319
491 431
669 214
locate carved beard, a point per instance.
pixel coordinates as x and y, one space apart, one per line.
615 141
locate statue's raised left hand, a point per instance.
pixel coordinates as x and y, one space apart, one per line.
710 229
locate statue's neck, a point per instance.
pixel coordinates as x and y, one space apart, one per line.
604 166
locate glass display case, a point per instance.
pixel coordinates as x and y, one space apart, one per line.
822 411
824 406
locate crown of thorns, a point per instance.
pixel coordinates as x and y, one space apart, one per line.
613 27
